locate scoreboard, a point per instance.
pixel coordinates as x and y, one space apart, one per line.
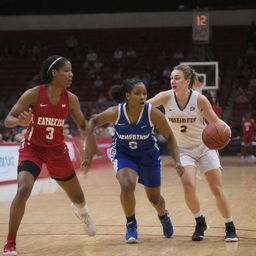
201 26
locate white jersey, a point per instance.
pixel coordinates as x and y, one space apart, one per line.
187 124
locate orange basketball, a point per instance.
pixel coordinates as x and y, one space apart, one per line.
216 136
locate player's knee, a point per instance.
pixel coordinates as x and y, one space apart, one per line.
24 191
128 187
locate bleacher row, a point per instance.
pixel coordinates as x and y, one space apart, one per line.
227 45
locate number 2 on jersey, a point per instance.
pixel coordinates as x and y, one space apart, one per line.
183 128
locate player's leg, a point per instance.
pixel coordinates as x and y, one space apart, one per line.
210 165
188 180
74 191
251 152
158 202
214 179
27 174
62 170
127 179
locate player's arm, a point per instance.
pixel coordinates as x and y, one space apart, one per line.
21 112
78 117
159 120
108 116
207 111
253 123
160 99
76 112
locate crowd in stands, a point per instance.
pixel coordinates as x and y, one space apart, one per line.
99 65
245 84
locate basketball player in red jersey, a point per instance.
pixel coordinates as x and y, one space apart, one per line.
44 109
248 127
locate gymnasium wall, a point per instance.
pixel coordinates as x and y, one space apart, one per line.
123 20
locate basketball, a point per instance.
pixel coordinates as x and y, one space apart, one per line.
216 136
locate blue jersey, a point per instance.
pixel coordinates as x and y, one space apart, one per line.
135 146
134 140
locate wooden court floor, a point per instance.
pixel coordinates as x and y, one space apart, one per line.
49 227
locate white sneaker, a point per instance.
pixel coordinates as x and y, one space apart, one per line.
88 223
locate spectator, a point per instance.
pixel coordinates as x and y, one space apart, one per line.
102 98
166 72
248 126
98 82
178 55
91 57
118 55
72 45
131 55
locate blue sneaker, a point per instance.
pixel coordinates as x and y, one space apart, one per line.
131 232
167 225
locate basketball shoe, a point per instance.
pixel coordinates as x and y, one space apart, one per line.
131 232
201 227
10 249
167 224
231 235
88 223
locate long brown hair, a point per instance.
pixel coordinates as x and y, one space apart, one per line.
189 73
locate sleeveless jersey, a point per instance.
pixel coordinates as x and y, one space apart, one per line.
187 124
46 127
134 140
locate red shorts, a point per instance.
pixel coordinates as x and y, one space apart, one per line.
57 160
248 138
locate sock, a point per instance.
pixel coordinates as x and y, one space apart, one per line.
198 214
130 218
162 217
228 220
201 218
11 238
82 210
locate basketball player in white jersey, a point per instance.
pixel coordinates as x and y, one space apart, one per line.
186 111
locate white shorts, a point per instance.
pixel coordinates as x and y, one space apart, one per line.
201 157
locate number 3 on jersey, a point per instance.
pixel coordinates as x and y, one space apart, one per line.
183 128
50 131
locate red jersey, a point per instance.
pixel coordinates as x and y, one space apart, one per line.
46 127
248 131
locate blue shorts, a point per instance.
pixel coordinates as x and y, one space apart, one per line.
148 167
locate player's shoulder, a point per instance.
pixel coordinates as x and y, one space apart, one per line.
31 93
200 97
72 97
113 109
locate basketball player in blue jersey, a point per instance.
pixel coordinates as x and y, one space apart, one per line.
186 111
135 154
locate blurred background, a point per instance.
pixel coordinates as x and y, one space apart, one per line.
109 41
